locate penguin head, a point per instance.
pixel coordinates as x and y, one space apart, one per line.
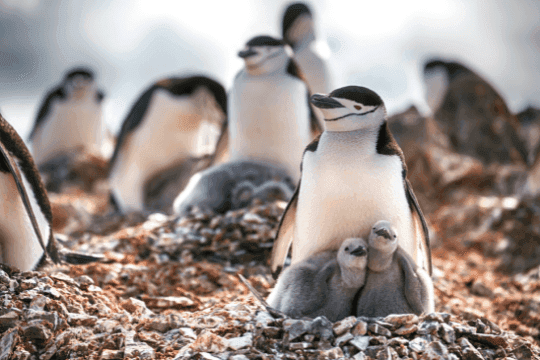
351 108
297 24
353 253
383 237
79 82
264 54
436 80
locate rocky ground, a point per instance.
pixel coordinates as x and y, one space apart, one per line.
168 288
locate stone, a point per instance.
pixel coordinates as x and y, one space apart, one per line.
407 330
344 325
360 328
36 331
295 328
447 333
399 320
523 352
322 328
333 353
8 320
490 340
7 343
379 330
343 339
418 344
360 342
108 354
169 302
81 319
387 354
360 356
209 342
239 357
242 342
469 351
435 351
299 345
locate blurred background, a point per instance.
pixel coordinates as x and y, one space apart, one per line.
381 45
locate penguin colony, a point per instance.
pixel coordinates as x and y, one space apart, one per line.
358 239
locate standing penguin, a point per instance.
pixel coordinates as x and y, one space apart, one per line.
472 114
394 284
162 131
353 175
70 118
270 118
299 32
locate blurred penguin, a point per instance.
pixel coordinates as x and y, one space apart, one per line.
162 132
270 117
299 32
69 118
472 114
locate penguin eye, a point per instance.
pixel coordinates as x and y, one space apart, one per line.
347 248
357 107
394 236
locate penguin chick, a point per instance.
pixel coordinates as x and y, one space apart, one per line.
246 192
394 284
213 189
69 118
323 285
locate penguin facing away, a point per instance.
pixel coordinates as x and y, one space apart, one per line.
69 118
472 114
324 284
299 32
394 284
353 175
163 131
270 118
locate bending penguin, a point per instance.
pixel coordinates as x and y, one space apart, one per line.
323 284
299 32
394 284
269 124
69 118
26 237
162 132
472 114
353 175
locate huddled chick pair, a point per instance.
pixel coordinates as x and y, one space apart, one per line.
370 279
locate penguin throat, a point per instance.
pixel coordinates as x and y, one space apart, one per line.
378 260
270 65
302 32
352 276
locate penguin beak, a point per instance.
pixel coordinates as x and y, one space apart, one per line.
247 53
384 233
325 102
359 251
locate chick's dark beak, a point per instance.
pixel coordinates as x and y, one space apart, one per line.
359 251
247 53
324 102
384 233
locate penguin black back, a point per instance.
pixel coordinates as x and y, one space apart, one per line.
292 13
176 86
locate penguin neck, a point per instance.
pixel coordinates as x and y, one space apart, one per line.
363 141
270 66
351 277
302 33
378 260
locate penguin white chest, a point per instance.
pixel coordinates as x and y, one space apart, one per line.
343 193
269 120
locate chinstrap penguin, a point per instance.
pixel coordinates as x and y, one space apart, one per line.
472 114
394 284
353 175
69 118
270 118
324 284
26 236
299 32
164 130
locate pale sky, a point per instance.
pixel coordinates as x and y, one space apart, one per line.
381 45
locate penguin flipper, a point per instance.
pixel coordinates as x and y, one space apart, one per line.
14 170
418 216
75 258
284 236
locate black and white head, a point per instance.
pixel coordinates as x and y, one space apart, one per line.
79 82
351 108
264 54
353 253
383 237
297 24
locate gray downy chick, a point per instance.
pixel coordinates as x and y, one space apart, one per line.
394 283
324 284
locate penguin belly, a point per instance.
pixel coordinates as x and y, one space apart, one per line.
19 246
72 125
343 193
166 136
269 121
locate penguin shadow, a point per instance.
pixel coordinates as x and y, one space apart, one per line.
373 278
